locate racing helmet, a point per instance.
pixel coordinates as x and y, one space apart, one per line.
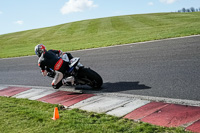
39 49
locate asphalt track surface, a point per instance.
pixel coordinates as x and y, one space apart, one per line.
166 68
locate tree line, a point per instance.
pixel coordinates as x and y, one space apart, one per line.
192 9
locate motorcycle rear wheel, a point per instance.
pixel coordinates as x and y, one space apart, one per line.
91 78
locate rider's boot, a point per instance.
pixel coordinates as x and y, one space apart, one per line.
68 80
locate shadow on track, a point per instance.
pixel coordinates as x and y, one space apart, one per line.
117 87
123 86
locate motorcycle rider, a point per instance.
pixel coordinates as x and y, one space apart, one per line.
55 60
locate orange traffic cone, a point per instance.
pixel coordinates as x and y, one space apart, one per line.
56 114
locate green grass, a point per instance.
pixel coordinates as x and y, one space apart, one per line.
101 32
25 116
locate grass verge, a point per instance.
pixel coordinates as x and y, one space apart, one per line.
101 32
25 116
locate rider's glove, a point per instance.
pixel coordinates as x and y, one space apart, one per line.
44 72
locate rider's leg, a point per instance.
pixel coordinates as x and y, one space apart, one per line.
68 78
57 81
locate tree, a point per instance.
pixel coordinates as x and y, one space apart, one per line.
192 9
183 10
187 10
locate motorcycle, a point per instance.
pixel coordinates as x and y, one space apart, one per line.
81 74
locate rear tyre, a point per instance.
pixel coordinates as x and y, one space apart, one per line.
90 77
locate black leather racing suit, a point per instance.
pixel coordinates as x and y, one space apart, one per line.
49 59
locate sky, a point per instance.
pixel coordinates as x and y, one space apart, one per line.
20 15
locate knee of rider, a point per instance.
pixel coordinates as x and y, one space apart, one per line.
53 83
57 86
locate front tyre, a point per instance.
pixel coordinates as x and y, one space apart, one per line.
90 77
